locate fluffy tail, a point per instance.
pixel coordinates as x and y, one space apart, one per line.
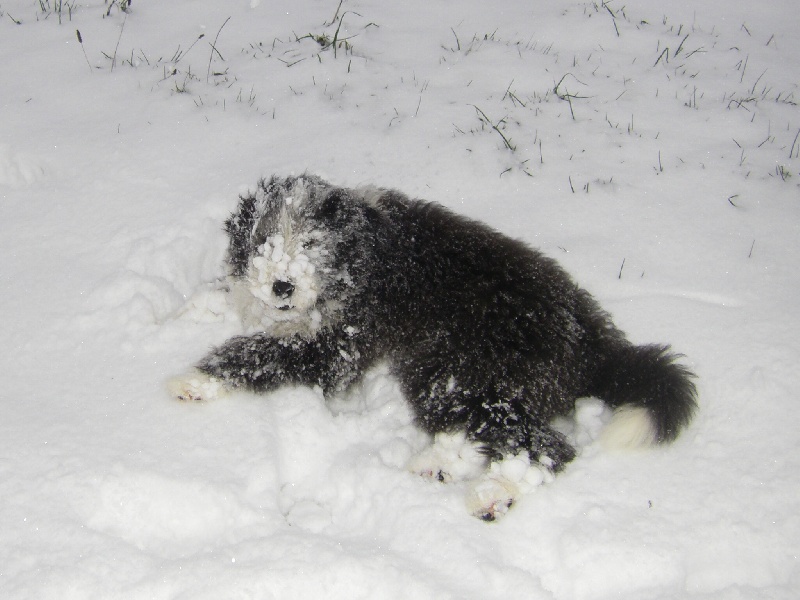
653 396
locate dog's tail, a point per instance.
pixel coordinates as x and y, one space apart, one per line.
653 395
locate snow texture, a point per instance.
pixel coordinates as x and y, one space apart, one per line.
651 148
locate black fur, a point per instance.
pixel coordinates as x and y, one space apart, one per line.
485 334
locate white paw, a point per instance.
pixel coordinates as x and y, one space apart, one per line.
451 457
196 386
490 496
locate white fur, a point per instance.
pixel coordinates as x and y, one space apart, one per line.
283 257
490 497
196 386
451 457
492 491
630 427
497 489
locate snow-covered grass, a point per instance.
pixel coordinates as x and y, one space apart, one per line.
652 148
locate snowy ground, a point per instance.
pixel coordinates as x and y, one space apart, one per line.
652 148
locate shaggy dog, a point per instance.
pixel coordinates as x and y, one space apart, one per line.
489 339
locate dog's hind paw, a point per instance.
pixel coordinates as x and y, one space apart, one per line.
490 497
493 493
450 458
196 386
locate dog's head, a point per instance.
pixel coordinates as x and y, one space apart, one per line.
292 254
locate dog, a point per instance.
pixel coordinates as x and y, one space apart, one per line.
489 339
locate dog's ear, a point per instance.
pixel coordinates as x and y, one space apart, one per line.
239 227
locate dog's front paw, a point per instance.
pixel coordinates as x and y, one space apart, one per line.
196 386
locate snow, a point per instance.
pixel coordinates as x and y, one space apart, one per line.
651 148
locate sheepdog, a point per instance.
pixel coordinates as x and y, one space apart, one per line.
489 339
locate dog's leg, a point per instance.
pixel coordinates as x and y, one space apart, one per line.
499 418
524 453
262 363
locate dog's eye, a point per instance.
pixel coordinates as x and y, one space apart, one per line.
312 239
331 205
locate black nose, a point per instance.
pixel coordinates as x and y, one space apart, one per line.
282 289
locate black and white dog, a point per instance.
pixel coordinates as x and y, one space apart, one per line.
489 339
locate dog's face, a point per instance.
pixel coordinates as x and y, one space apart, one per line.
285 256
286 271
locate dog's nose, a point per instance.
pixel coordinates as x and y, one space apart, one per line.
282 289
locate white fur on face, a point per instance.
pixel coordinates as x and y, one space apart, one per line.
289 256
